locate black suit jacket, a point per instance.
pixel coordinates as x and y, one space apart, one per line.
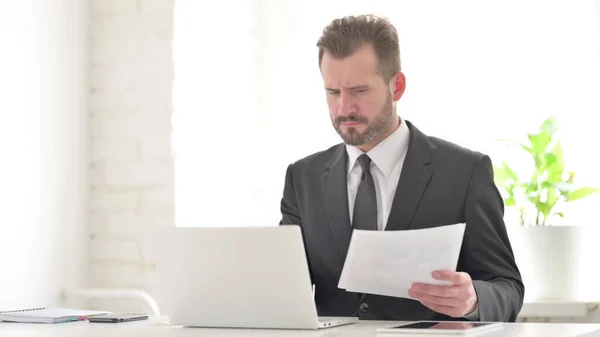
440 184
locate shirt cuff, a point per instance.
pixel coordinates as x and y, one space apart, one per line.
474 316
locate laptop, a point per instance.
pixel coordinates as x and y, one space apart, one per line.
236 277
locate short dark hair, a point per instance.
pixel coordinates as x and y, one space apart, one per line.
343 36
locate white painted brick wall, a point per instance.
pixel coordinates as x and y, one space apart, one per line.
131 165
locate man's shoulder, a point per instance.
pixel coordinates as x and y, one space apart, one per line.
445 151
457 163
318 159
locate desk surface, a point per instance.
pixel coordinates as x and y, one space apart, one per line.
158 327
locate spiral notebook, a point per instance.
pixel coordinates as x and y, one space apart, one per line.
48 315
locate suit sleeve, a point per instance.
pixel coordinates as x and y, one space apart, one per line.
290 214
488 256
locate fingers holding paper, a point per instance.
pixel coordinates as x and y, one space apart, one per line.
456 300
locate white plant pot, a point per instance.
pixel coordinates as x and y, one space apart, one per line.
552 262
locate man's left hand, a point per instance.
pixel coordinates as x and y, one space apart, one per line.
456 300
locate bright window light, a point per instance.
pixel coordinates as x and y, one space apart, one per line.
248 96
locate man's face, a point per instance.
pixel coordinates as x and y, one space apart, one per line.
360 101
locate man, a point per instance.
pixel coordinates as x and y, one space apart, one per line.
388 175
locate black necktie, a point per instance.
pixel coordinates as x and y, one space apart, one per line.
365 204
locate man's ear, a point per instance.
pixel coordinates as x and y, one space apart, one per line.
399 85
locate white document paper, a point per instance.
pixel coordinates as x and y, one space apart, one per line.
389 262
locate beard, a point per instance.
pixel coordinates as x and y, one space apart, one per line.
375 126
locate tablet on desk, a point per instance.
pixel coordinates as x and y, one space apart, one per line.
442 328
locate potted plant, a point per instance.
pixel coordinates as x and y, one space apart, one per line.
550 257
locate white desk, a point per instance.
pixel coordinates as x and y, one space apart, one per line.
157 327
548 310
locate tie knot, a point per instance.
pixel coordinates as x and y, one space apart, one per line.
365 162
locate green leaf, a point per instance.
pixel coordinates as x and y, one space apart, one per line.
550 125
551 200
505 173
511 173
557 151
539 142
533 198
549 160
544 207
581 193
555 163
563 187
532 188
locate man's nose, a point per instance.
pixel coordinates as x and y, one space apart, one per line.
345 106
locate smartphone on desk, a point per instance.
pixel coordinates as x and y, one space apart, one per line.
117 318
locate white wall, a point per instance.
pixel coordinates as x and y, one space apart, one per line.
598 47
44 145
131 166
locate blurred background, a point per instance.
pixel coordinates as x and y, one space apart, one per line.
122 115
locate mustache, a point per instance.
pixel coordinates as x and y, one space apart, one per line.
342 119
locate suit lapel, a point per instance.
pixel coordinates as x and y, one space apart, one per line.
413 180
335 191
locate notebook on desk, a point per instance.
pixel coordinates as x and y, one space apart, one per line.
48 315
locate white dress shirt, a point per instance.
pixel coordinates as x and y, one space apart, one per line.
387 158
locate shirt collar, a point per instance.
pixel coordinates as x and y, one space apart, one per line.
387 153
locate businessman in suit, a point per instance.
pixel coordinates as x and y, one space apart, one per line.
388 175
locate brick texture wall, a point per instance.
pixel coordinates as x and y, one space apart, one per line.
131 164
